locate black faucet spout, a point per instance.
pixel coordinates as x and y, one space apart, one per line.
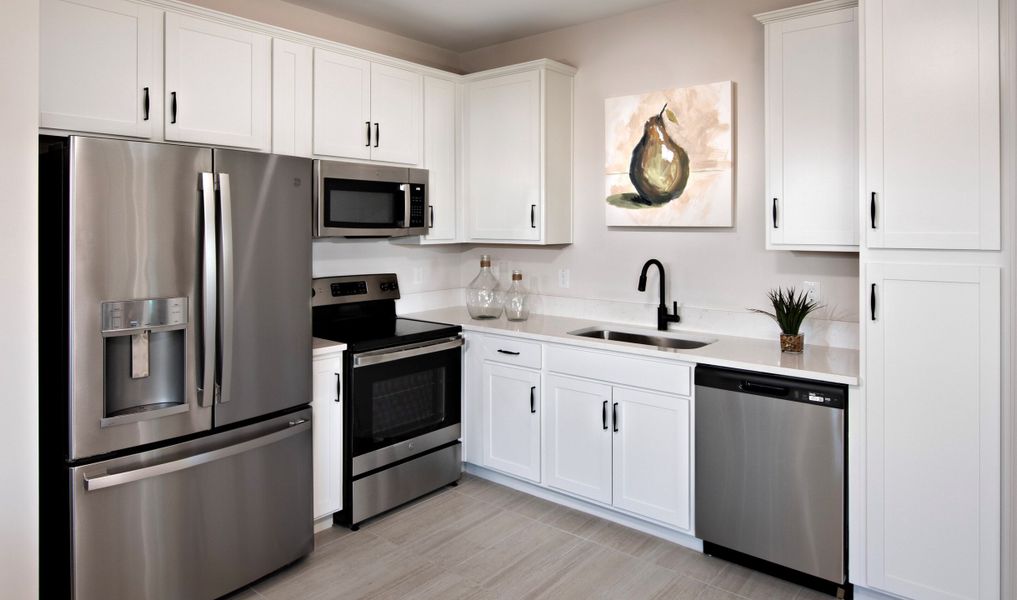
663 318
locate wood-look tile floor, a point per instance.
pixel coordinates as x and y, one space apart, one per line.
482 541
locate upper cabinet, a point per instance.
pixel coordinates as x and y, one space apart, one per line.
100 67
932 149
366 111
812 127
517 154
217 84
291 98
440 157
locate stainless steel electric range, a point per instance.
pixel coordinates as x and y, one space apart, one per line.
402 382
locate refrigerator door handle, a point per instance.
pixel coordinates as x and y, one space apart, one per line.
206 380
114 479
226 307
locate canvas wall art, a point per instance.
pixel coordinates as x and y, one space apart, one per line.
670 158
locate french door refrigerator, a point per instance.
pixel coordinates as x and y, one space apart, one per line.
176 352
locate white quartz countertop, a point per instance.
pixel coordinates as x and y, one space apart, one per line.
823 363
321 346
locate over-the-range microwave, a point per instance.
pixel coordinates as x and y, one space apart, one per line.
362 200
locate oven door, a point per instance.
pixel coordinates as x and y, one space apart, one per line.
405 400
355 200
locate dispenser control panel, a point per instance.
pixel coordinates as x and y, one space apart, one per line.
128 316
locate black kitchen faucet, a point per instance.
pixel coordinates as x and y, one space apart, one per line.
663 318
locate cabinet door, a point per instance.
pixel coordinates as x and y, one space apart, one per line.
577 437
99 66
932 123
217 84
512 420
440 156
291 98
503 156
933 402
397 111
327 434
342 105
812 130
653 456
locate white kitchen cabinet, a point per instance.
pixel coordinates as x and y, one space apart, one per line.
100 67
812 127
291 98
577 437
653 456
511 420
932 123
218 84
327 432
366 111
932 356
517 154
440 157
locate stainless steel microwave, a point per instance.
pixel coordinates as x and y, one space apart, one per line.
361 200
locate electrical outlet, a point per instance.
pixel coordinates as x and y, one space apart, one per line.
812 289
563 278
418 275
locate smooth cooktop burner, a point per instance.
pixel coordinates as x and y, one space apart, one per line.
369 334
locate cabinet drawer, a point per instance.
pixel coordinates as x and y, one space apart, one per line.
636 371
511 351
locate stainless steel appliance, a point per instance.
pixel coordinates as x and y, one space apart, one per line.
770 489
403 392
362 200
176 319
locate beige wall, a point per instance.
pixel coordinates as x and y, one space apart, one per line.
19 151
305 20
681 43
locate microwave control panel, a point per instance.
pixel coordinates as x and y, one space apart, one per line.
418 201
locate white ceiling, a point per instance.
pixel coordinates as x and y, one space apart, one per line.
463 25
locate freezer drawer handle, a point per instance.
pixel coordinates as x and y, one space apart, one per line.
115 479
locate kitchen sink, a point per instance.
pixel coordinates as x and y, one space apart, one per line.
641 338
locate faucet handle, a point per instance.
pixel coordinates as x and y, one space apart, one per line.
676 317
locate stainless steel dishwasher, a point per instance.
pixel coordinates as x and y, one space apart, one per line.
770 468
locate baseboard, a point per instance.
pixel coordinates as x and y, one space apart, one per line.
592 509
322 524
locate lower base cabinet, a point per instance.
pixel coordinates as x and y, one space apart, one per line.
511 420
327 432
620 446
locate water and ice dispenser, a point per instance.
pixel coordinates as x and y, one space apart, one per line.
144 358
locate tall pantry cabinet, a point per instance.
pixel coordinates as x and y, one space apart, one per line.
931 268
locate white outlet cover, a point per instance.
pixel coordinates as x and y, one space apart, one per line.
812 288
563 278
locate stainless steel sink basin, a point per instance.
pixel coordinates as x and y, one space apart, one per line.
639 338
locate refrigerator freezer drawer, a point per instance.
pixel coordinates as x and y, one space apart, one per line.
194 520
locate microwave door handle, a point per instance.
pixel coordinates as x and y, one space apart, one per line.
406 204
226 306
206 380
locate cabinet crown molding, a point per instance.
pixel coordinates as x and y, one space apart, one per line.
543 63
805 9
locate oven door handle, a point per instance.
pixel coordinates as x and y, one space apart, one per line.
377 357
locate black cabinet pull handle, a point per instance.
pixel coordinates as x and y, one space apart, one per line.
872 301
431 206
377 135
144 103
872 210
338 386
614 416
603 415
509 352
533 216
533 404
173 107
368 144
775 213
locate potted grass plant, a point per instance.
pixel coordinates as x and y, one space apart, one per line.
790 307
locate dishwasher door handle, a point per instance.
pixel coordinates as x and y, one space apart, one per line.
762 388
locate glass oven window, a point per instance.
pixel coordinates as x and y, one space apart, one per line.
355 203
402 399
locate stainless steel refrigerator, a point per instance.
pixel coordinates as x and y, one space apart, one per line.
176 335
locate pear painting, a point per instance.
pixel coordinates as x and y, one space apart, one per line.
669 158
